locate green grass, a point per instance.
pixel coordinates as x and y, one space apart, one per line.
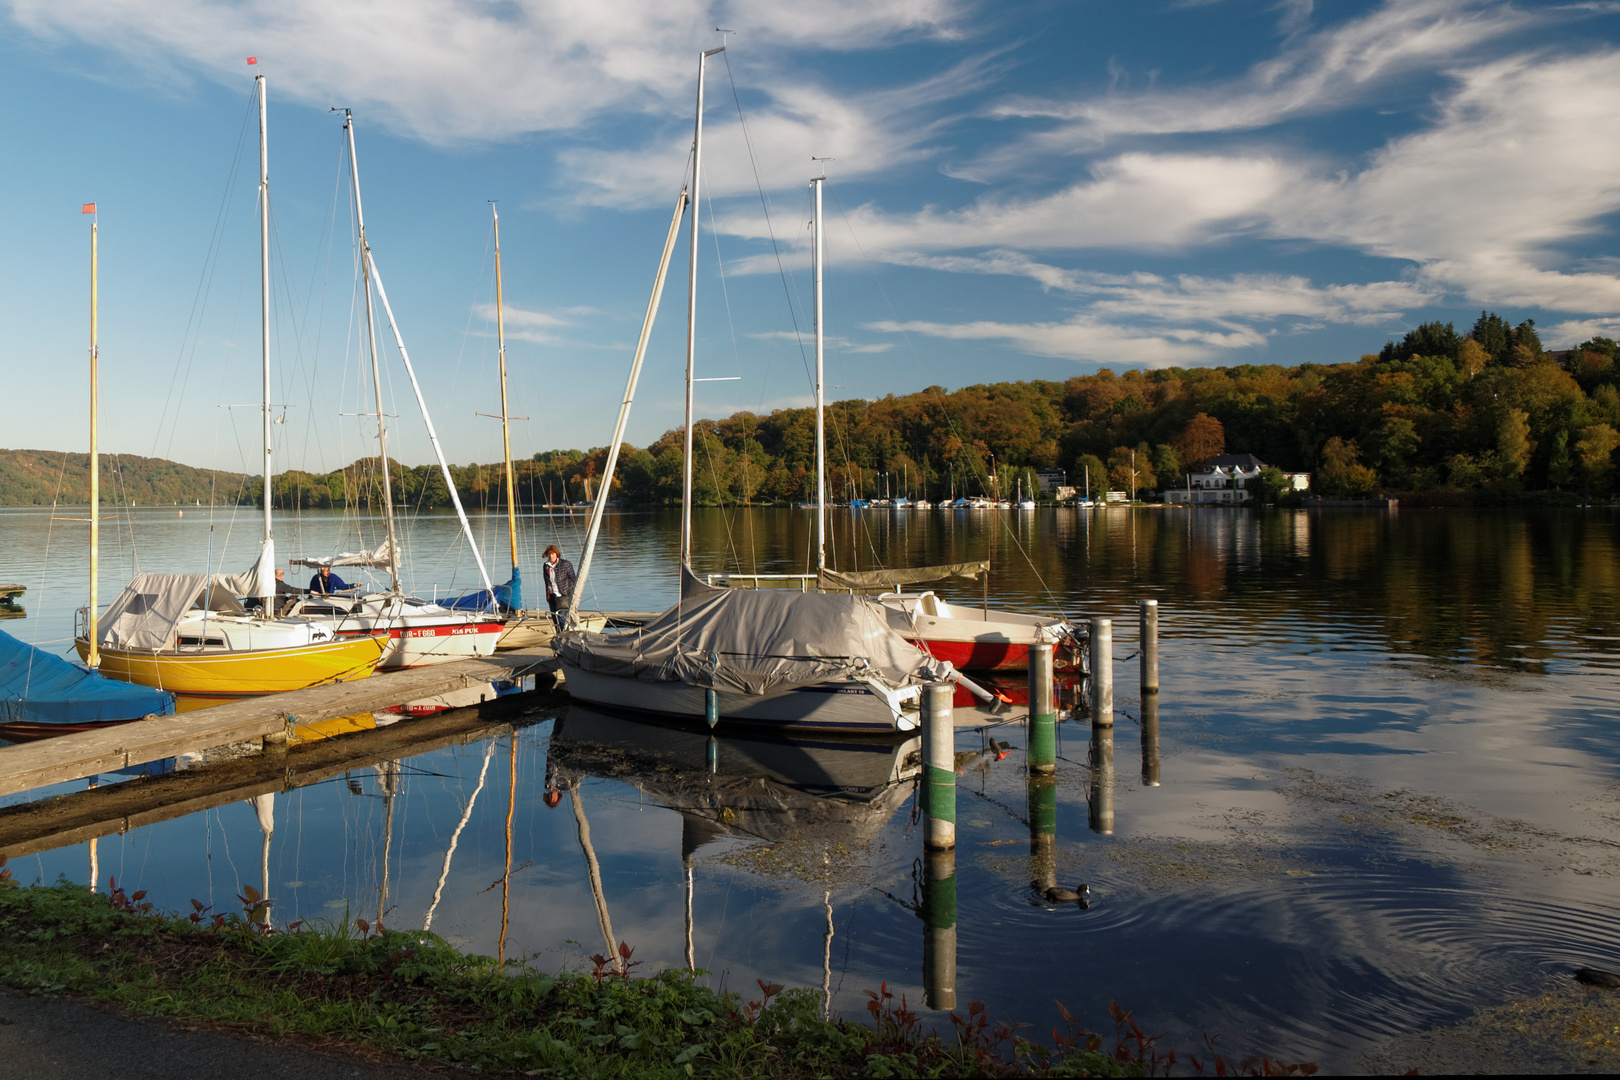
393 995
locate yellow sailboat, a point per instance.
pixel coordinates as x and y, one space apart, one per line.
226 673
191 633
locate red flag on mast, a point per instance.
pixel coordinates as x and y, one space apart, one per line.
89 208
253 59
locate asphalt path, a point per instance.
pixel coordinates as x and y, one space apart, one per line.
45 1038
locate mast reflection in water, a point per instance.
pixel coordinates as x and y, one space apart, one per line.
828 796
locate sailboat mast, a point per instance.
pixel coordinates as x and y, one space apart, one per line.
376 371
691 315
821 431
267 583
93 660
624 409
433 435
506 426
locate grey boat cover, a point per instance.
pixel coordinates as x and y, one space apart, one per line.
142 617
886 580
757 642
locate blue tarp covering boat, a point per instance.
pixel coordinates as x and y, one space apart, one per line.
40 692
508 597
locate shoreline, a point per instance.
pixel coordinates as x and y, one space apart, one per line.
409 998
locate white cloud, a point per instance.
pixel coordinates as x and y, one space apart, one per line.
1567 335
862 132
1086 338
1261 297
1191 296
1153 321
1522 158
1330 69
1135 200
540 327
516 316
832 341
449 72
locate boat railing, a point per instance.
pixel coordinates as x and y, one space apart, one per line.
801 582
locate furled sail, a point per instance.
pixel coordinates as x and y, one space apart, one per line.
383 557
886 580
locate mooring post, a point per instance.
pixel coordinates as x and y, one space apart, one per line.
939 766
1101 812
1041 789
1150 741
939 928
1042 711
1102 672
1150 646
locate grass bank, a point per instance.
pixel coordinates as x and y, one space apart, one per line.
386 994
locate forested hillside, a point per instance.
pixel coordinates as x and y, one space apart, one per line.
1487 411
50 477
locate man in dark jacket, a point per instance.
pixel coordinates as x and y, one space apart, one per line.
327 582
559 575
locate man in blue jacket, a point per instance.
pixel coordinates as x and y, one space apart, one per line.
326 582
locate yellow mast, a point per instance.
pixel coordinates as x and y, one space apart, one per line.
94 659
506 427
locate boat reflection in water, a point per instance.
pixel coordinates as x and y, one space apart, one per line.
746 784
742 783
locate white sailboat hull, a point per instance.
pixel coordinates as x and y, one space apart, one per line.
853 706
419 632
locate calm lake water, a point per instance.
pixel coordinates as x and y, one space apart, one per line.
1388 765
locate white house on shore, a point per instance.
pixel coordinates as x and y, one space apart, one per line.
1227 479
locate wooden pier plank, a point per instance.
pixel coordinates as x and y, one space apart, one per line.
72 757
73 818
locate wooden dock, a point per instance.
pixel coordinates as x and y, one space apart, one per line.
268 719
74 818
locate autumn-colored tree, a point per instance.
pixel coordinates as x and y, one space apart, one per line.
1513 445
1167 463
1271 484
1202 438
1595 445
1132 470
1342 472
1090 475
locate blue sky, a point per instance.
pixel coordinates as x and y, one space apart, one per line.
1016 191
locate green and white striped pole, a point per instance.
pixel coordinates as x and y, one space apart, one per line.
1042 711
939 766
939 929
1041 791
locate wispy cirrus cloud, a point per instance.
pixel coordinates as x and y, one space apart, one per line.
540 327
1571 332
832 341
1520 158
1086 337
864 132
450 72
1329 69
